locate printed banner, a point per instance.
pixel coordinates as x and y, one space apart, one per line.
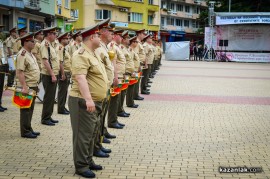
246 19
246 57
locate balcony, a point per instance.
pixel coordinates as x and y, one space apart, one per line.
105 2
32 5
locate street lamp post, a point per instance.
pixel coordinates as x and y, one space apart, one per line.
229 5
211 25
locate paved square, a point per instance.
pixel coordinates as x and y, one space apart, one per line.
199 116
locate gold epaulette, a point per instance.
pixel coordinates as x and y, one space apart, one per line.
46 44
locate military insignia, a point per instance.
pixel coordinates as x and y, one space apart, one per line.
122 47
46 44
81 51
23 52
60 47
112 44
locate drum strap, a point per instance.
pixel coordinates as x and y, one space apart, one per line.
49 51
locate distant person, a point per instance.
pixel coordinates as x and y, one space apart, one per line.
195 52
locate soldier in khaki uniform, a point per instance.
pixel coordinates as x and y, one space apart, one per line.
63 83
155 61
27 77
149 54
120 70
36 51
132 67
140 51
76 43
85 100
50 70
106 35
11 51
161 52
3 70
124 48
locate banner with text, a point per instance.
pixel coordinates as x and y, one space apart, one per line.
247 57
244 19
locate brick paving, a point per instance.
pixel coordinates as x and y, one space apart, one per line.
199 116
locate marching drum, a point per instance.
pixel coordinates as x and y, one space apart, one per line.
41 92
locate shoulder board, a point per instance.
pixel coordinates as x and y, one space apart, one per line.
60 47
112 44
117 45
122 47
75 43
81 51
46 44
23 52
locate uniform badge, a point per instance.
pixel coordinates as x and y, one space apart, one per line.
81 51
60 47
23 52
47 44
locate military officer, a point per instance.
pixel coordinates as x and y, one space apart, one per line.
63 83
129 70
106 34
161 52
36 51
120 70
27 77
3 70
85 100
50 70
132 67
140 51
11 51
76 43
149 53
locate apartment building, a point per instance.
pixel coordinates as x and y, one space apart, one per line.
179 19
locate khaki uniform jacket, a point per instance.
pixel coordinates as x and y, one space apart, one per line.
102 52
86 62
27 63
149 53
156 52
64 57
36 51
2 53
129 60
140 51
11 43
136 60
120 58
44 53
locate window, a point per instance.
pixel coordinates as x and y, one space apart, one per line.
59 2
67 4
150 19
187 9
35 25
179 7
178 22
163 5
172 6
151 2
103 14
186 23
139 0
162 21
134 17
6 22
170 21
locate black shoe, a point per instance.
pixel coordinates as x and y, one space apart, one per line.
95 167
87 174
54 121
127 113
122 114
151 76
109 136
148 86
36 133
64 112
139 98
133 106
150 82
115 126
48 123
106 141
30 136
105 150
120 124
101 154
2 110
1 107
145 92
9 84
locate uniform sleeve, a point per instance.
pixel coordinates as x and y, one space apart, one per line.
9 43
44 52
21 62
146 49
60 54
35 49
80 65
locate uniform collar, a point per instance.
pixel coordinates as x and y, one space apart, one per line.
87 49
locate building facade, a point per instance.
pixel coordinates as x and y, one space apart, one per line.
179 19
125 14
34 14
63 15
